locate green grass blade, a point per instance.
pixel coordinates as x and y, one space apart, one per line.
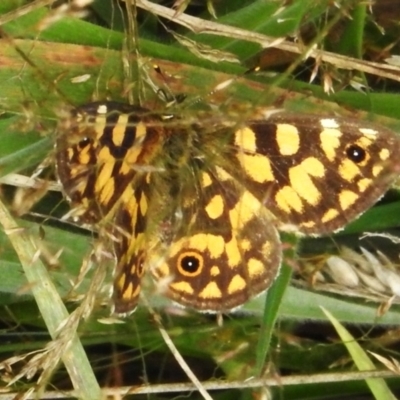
51 307
378 387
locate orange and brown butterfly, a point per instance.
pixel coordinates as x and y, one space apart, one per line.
198 205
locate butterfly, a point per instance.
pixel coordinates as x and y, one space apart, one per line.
199 204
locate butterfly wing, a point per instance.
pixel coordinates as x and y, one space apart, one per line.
225 250
130 244
100 158
315 175
99 153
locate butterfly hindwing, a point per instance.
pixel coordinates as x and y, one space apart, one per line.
130 245
225 250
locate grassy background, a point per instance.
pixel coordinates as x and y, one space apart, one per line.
37 69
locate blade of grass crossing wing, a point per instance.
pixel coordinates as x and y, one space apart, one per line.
272 303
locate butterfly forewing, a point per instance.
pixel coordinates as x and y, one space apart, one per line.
100 153
316 175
